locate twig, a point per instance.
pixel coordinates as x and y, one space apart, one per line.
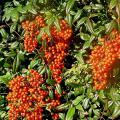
2 26
14 31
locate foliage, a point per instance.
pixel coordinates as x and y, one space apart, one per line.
89 20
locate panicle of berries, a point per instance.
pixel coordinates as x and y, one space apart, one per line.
55 53
31 31
104 59
26 98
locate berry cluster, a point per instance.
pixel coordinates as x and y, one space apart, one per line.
57 45
31 31
55 53
105 59
27 99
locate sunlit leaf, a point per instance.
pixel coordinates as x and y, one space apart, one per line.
5 78
77 16
113 3
70 113
69 6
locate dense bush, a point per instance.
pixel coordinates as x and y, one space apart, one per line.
59 59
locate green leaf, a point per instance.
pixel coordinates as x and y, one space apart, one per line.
1 59
5 78
110 103
33 11
96 112
73 13
47 30
16 3
58 88
23 10
97 7
51 94
78 99
63 106
110 26
21 55
90 112
85 36
14 15
116 112
77 16
89 26
33 63
6 65
56 23
50 20
8 13
43 87
80 22
69 6
13 27
50 81
21 18
113 3
40 35
69 19
86 103
17 62
42 70
70 113
87 44
87 7
3 33
14 64
79 107
14 45
62 116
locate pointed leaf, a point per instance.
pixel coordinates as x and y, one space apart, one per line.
33 63
89 26
13 27
62 116
14 45
86 103
69 6
3 33
78 99
50 81
84 36
69 19
110 26
5 78
63 106
80 22
79 107
77 16
56 22
51 95
70 113
116 112
58 88
113 3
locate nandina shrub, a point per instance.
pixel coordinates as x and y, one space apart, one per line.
55 39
